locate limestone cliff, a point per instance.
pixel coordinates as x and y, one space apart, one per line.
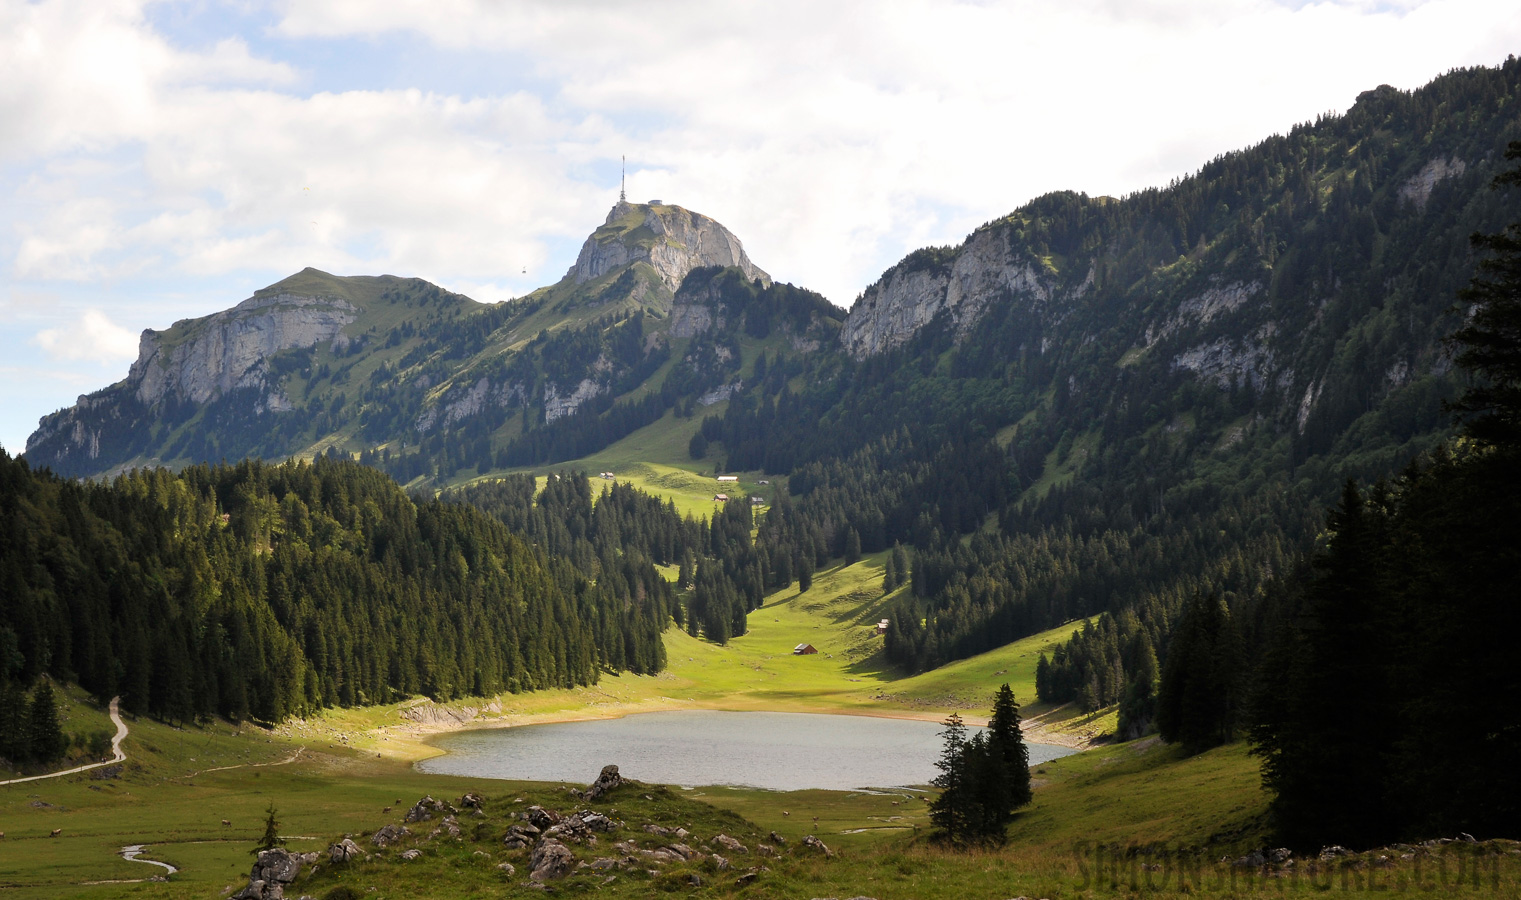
192 363
199 360
672 240
961 283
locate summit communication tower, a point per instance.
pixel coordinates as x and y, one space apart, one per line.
623 185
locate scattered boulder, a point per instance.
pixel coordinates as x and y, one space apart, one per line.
775 838
765 849
550 860
1253 860
606 781
1279 856
449 826
813 843
471 800
410 855
388 835
427 808
343 851
660 830
507 869
682 850
597 822
719 862
729 844
1335 851
520 836
271 872
570 828
539 817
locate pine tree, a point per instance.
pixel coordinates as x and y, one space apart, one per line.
1490 341
900 564
1007 743
1139 702
949 811
44 733
271 837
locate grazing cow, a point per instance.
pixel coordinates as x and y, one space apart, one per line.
225 822
386 810
56 832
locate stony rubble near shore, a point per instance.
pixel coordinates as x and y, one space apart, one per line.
546 844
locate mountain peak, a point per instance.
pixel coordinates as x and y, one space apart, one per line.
671 240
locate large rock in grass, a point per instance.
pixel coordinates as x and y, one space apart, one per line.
272 871
550 860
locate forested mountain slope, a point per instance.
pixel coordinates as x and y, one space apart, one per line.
261 591
1093 404
1134 401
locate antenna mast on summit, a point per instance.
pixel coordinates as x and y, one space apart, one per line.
623 185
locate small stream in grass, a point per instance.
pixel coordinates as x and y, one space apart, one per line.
777 751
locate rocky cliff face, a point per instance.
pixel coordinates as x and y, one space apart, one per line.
672 240
962 283
194 362
228 350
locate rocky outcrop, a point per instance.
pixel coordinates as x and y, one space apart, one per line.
607 780
551 859
1418 188
960 283
672 240
557 405
272 871
201 359
196 361
343 851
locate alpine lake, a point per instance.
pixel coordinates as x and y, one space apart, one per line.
769 750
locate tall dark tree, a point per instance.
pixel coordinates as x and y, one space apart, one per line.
951 811
1198 703
1006 742
1489 343
43 731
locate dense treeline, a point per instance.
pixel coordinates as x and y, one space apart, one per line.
260 591
618 536
1377 682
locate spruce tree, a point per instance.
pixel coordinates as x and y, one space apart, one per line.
1489 344
852 546
271 837
949 811
44 733
1007 743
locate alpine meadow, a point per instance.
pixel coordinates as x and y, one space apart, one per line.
1210 493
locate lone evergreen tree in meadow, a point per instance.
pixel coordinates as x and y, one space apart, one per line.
271 837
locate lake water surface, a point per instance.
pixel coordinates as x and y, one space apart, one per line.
780 751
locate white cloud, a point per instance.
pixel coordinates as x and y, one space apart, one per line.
93 338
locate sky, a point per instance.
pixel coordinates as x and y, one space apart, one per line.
163 160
